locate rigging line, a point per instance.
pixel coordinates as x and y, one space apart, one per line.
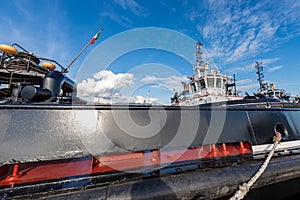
245 187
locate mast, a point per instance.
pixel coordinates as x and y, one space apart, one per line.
198 54
234 87
200 66
262 85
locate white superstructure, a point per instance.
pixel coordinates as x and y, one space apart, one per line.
206 86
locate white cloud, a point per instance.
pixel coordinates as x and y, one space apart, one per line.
113 81
119 19
272 69
245 68
133 6
149 79
235 31
244 81
105 84
269 60
86 87
127 100
150 100
117 99
193 15
171 82
251 67
247 87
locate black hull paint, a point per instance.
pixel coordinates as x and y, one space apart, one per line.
47 132
35 132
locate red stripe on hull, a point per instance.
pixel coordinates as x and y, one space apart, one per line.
21 173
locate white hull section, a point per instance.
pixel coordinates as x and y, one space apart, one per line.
282 147
208 99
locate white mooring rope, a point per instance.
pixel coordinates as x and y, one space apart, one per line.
245 187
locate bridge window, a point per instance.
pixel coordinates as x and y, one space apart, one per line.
202 84
218 83
211 82
224 83
193 86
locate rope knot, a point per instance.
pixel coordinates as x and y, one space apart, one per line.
244 188
277 137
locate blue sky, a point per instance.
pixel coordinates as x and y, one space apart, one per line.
157 39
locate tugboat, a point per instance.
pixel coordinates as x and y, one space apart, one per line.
206 86
268 90
55 146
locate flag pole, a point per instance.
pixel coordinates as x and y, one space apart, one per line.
83 49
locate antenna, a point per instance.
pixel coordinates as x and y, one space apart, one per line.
260 74
198 54
200 66
147 98
83 49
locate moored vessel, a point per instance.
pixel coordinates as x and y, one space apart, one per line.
54 145
206 85
267 90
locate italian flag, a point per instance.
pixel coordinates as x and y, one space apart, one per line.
96 37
